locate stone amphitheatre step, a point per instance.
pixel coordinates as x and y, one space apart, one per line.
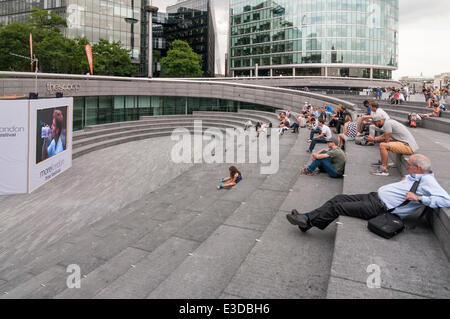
435 124
174 211
286 263
414 109
208 271
153 129
436 146
412 264
224 245
155 120
137 137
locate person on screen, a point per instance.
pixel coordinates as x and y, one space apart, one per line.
56 145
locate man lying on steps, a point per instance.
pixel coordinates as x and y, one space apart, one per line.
368 206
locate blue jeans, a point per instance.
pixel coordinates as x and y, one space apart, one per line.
295 127
325 165
321 140
313 132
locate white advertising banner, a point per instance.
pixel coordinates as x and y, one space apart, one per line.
50 137
13 147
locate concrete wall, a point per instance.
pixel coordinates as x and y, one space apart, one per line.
107 86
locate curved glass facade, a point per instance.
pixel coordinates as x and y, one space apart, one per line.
95 110
350 38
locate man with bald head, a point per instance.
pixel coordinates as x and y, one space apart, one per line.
388 198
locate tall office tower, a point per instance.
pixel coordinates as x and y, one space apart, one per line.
193 21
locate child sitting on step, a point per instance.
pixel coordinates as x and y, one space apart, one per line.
233 180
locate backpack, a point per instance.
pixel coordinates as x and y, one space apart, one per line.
412 119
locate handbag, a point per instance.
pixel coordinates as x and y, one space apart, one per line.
388 225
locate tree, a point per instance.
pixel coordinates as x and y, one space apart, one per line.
181 61
46 20
56 53
112 59
13 39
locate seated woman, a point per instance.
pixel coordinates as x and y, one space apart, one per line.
233 180
436 112
284 126
349 132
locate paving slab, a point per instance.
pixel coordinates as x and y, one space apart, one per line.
164 231
205 274
285 264
346 289
412 262
150 271
202 226
96 280
26 289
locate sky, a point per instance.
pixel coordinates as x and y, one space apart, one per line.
424 36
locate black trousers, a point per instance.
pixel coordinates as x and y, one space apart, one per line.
339 124
366 206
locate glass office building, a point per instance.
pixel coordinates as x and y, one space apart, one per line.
193 21
335 38
112 20
127 21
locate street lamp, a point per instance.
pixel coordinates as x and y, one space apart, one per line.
35 60
150 9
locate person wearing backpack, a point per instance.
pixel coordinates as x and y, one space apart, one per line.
398 199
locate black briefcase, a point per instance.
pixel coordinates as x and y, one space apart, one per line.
386 225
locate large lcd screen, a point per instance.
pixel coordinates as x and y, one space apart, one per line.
51 132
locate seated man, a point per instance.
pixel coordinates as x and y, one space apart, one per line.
331 161
323 138
373 129
368 206
315 129
396 138
363 119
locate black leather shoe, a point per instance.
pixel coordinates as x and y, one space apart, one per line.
295 212
299 220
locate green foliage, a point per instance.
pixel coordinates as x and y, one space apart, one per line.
56 53
14 38
112 59
181 61
45 20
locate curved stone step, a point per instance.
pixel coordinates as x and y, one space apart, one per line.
149 129
108 143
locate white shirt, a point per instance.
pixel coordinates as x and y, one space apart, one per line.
326 130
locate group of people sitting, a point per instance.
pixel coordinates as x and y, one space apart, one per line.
416 190
435 95
260 127
373 127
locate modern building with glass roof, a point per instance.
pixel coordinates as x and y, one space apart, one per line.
334 38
